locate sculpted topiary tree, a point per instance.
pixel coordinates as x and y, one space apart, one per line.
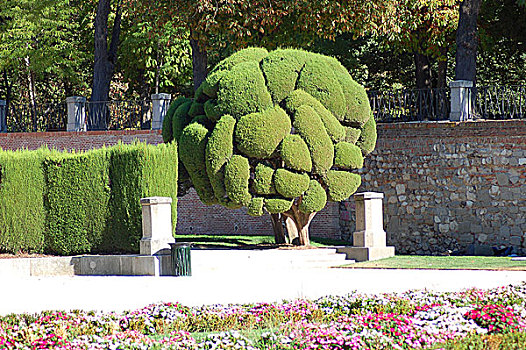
278 131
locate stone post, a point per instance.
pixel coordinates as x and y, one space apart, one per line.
3 112
369 239
156 225
76 113
461 106
160 105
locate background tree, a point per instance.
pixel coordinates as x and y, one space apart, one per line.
280 131
467 41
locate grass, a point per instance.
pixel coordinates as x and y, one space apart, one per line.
245 241
443 263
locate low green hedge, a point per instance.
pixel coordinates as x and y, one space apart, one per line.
88 202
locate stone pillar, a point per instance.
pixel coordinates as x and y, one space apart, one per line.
76 113
461 106
160 105
156 225
369 239
3 113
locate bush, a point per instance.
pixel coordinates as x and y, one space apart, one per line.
295 153
22 215
137 171
290 184
168 119
296 116
341 184
219 149
347 156
309 126
72 203
192 150
258 135
263 179
237 174
76 200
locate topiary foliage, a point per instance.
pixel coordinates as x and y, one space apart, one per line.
280 131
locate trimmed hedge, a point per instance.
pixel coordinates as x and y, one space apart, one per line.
278 205
22 215
290 184
192 148
308 124
263 179
76 201
88 202
237 174
296 116
255 207
341 184
295 153
348 156
137 171
314 198
243 91
219 149
167 131
258 135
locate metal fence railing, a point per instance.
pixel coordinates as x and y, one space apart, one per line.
118 115
38 117
499 102
113 115
410 105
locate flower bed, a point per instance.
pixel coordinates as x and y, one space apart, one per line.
411 320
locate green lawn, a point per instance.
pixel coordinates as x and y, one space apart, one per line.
444 263
244 241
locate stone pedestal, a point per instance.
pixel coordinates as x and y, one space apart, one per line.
160 105
369 240
460 100
156 226
76 113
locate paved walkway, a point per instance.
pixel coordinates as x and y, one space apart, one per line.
33 294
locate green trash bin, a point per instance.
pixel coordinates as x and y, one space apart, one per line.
181 259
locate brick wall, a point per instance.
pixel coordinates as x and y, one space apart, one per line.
457 186
76 140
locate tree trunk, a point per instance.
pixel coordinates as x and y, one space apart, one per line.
292 231
32 92
467 41
277 226
199 61
299 222
442 69
422 71
104 63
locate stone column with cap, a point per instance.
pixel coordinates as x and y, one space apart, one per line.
369 240
156 226
76 113
160 105
3 114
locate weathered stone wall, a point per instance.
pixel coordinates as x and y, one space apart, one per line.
448 186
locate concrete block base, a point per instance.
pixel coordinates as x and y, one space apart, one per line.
367 253
124 265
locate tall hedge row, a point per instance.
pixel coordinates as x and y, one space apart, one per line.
72 203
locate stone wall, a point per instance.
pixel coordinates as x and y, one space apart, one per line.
448 186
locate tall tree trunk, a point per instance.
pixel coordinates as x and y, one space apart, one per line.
422 71
104 62
467 41
199 61
32 92
277 226
442 68
298 223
